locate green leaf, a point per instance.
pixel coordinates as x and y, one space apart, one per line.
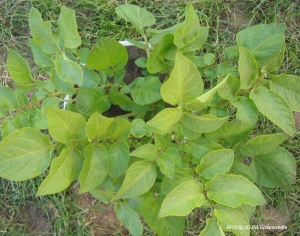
184 84
107 55
288 87
129 218
138 128
246 110
233 190
263 41
8 99
202 101
230 88
276 168
41 58
166 165
225 69
212 228
120 129
248 69
181 175
65 126
146 151
64 169
91 100
146 90
247 171
232 131
137 16
98 127
182 199
262 144
275 63
275 108
215 162
231 53
8 127
118 158
18 67
233 220
209 58
139 178
3 112
166 226
67 27
24 154
41 32
60 85
156 60
174 154
95 167
67 70
118 98
190 36
90 78
204 124
164 121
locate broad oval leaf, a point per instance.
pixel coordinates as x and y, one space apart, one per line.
166 165
137 16
164 121
184 84
276 168
146 151
41 58
120 129
212 228
233 190
24 154
118 158
95 167
64 169
182 199
65 126
18 67
8 99
215 162
138 128
274 107
139 178
230 88
246 110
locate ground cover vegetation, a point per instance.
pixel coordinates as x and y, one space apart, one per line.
207 135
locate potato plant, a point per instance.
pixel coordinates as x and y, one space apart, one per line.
184 138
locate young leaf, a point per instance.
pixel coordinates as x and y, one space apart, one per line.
212 228
137 16
233 190
18 67
24 154
246 110
274 107
182 199
164 121
233 217
107 55
120 129
64 169
184 84
138 128
248 68
91 100
129 218
262 144
146 90
68 28
276 168
67 70
263 41
118 158
98 127
230 88
288 87
190 36
215 162
209 58
146 151
166 226
139 178
95 167
41 32
166 165
65 126
204 124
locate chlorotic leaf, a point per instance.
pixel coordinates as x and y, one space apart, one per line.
95 167
146 151
212 228
120 129
65 126
64 169
166 165
274 107
118 158
24 154
182 199
139 178
233 190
